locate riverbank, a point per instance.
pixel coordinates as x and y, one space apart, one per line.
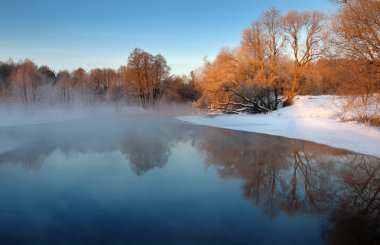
312 118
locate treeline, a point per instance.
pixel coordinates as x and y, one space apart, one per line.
300 52
145 81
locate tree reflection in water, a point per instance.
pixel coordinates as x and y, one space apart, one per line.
146 142
355 218
296 177
278 174
145 154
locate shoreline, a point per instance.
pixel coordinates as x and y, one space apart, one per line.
310 118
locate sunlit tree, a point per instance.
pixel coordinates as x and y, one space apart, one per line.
356 39
305 34
247 79
146 75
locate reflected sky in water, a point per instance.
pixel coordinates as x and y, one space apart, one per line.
149 179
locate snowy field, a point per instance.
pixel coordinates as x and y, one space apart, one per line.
312 118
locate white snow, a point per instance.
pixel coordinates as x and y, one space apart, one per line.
311 118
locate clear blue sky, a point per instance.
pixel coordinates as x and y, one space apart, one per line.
66 34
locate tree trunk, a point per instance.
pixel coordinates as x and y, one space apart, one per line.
290 97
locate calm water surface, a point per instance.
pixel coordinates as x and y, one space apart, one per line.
135 179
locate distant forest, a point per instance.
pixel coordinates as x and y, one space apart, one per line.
145 81
279 56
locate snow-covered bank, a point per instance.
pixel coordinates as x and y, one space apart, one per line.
310 118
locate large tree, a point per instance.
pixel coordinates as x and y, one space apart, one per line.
26 81
263 46
146 74
304 32
357 28
247 79
65 87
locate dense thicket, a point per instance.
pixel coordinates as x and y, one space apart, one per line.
269 66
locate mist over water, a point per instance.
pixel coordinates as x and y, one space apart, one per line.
97 156
134 176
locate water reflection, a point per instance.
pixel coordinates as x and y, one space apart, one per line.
301 177
278 175
145 141
355 217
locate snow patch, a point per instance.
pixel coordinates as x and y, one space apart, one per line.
311 118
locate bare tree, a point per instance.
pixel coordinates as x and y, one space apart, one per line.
47 74
26 81
147 73
65 87
304 31
357 28
182 89
247 79
6 70
81 83
115 86
271 21
99 80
